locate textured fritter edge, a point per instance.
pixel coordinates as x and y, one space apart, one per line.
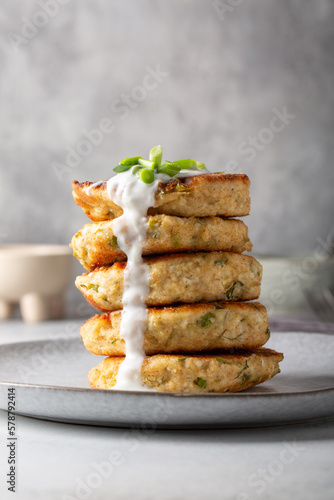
113 276
95 244
221 372
188 328
167 194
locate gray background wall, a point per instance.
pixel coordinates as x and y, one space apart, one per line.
226 69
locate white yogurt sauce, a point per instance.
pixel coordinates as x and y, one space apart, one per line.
135 198
161 177
189 173
95 184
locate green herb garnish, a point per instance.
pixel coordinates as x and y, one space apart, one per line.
186 164
156 155
230 291
93 287
170 337
245 378
206 320
169 168
153 224
153 228
121 168
200 382
181 188
130 162
176 240
146 175
113 242
151 165
154 164
242 370
221 261
230 338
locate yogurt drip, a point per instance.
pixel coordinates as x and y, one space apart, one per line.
96 184
134 197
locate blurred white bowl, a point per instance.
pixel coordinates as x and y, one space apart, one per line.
36 276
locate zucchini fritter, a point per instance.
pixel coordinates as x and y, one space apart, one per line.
187 328
95 245
186 278
204 195
196 373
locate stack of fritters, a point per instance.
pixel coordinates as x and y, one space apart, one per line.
199 337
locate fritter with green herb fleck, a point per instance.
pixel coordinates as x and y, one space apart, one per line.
203 195
194 327
185 278
95 245
196 373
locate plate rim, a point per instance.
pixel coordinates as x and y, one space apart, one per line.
4 383
162 393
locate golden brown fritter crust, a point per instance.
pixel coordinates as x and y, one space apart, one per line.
95 244
204 195
186 278
220 372
187 328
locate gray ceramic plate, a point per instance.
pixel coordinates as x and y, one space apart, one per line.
50 380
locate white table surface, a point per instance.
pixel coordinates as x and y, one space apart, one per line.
280 463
